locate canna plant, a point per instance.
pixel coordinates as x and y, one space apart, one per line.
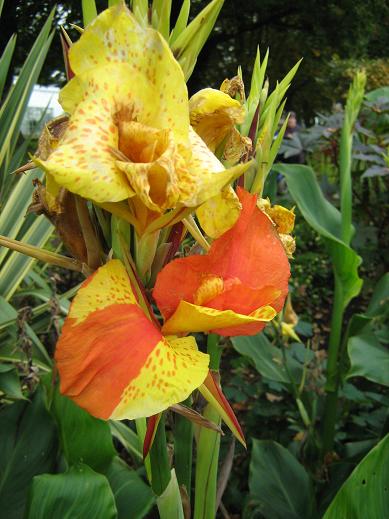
337 230
133 171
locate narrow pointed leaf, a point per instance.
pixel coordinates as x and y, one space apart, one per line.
181 23
152 426
212 392
89 11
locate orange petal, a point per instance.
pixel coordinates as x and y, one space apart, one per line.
250 259
113 361
252 251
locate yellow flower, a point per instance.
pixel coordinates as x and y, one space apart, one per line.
283 219
129 134
213 115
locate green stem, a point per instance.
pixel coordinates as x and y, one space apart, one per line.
208 447
333 369
345 182
214 351
160 467
183 449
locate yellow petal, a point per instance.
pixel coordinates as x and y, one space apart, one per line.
153 166
115 37
213 114
193 318
206 175
83 162
283 218
218 214
172 371
236 147
110 284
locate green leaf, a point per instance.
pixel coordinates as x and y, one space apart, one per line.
89 11
83 438
368 358
170 502
181 22
379 299
268 359
326 220
5 61
17 265
189 43
7 312
28 447
10 383
279 486
12 110
365 494
133 496
208 447
79 493
128 438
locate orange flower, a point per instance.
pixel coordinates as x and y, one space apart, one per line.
114 361
234 289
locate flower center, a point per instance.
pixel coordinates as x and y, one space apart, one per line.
210 287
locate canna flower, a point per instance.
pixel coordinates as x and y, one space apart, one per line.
213 115
234 289
129 135
114 361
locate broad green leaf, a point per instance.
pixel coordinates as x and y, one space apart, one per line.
83 438
326 220
267 359
280 487
368 358
133 497
374 95
28 447
379 299
79 493
10 382
365 494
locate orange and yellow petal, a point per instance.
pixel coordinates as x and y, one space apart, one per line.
193 318
249 258
213 114
113 361
251 251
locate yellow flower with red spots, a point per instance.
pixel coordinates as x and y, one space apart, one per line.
129 134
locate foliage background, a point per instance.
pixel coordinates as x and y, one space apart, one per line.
334 37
